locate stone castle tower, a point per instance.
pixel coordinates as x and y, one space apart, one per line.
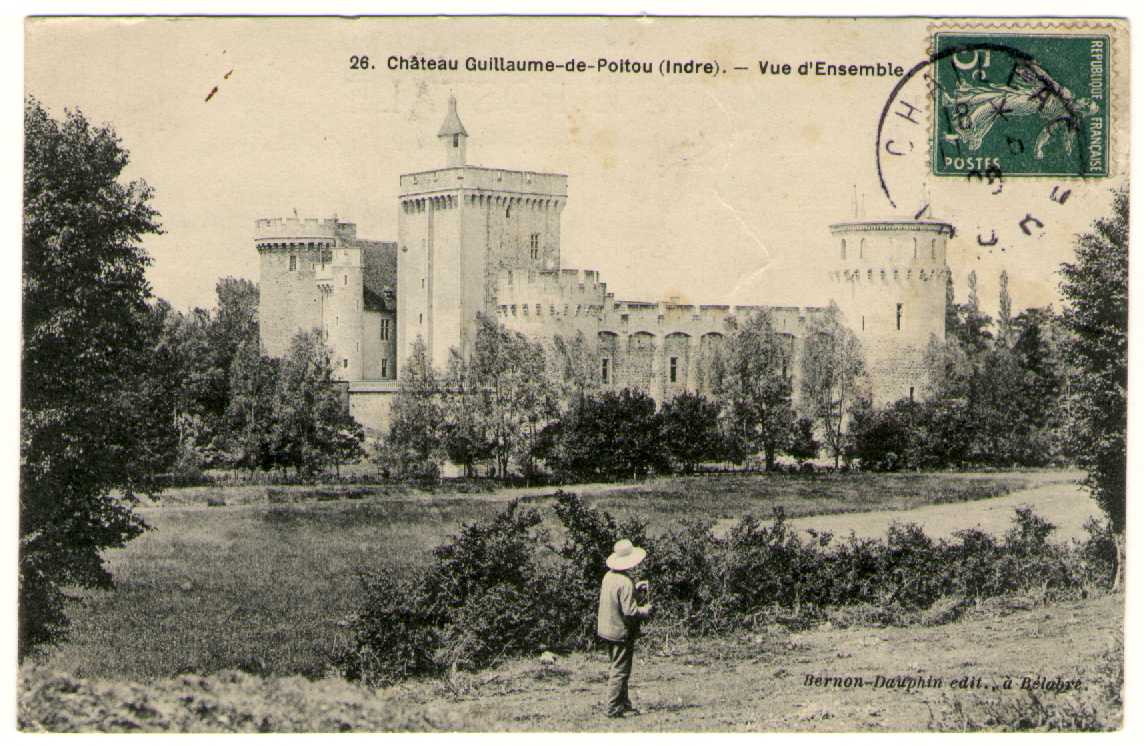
888 278
459 227
316 273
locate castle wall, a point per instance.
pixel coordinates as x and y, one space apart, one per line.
371 403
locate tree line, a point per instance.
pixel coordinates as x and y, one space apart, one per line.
523 410
228 406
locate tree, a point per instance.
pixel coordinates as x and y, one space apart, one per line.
312 424
508 375
413 445
1095 287
690 430
1004 312
832 376
607 436
755 388
802 445
576 370
249 433
971 328
86 426
463 436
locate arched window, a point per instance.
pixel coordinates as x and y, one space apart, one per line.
456 140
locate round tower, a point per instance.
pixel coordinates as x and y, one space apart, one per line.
292 253
888 279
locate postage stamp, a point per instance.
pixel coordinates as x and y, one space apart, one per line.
557 374
1024 104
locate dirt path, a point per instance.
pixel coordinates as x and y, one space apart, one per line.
760 682
1066 505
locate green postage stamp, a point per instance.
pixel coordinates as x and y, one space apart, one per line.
1021 104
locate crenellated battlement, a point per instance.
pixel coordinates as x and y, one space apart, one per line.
475 178
694 318
555 293
302 231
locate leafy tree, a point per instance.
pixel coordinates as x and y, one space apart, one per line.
87 427
888 439
607 436
249 436
755 388
413 445
802 446
1004 313
971 328
576 370
833 369
507 372
463 436
690 430
1095 287
312 424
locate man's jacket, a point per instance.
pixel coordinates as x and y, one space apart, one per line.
619 615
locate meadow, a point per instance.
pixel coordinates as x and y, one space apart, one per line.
268 583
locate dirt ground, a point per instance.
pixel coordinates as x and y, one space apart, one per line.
759 682
1067 506
749 682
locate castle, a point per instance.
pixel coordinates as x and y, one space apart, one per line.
474 240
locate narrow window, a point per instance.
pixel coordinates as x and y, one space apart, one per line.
915 248
911 393
345 279
337 320
345 363
933 248
899 316
456 140
422 283
604 370
674 368
863 323
385 367
293 263
420 317
385 329
844 249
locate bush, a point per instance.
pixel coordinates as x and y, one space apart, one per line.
511 587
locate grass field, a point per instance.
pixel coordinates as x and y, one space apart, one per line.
267 587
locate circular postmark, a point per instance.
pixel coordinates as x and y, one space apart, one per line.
996 111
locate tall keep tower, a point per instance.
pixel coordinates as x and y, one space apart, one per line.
459 227
889 280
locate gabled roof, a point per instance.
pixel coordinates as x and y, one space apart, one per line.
452 124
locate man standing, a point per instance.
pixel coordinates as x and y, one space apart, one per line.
618 621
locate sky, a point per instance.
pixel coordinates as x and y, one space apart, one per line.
716 189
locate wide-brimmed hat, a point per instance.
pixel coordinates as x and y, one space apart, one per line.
625 556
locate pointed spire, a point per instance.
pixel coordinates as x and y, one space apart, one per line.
452 124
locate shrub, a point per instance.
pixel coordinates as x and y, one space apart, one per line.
394 637
510 587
